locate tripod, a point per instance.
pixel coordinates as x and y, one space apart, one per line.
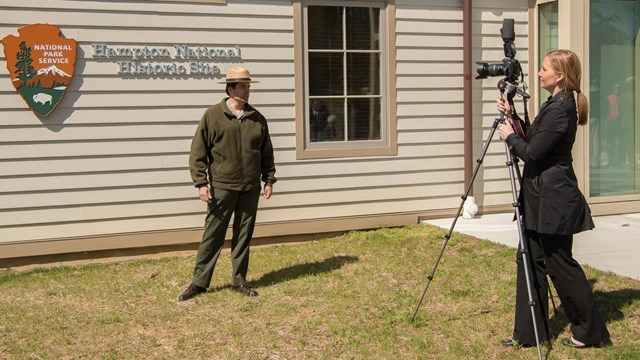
513 168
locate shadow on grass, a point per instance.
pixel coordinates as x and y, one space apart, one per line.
301 270
610 304
298 271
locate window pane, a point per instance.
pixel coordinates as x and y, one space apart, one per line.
325 27
325 74
614 64
364 74
326 120
364 119
363 31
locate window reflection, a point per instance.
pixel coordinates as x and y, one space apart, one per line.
326 120
364 119
614 59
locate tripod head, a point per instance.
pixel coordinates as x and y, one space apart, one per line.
519 126
511 90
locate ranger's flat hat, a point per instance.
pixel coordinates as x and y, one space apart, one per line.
238 74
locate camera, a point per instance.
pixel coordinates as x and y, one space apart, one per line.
510 67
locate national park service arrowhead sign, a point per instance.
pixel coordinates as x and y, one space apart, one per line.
41 64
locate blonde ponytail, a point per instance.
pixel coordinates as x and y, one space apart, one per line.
583 108
567 63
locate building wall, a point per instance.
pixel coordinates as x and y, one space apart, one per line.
112 157
492 185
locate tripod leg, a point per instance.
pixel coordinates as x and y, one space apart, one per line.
519 176
525 258
455 219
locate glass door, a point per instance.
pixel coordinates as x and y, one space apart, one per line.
614 66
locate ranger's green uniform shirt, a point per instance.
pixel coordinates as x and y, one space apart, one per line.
231 153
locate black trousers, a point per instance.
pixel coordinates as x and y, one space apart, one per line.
552 254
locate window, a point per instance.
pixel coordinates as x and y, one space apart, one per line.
346 106
614 67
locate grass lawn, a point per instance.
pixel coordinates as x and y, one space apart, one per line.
348 297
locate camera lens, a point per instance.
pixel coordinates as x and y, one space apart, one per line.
495 70
485 70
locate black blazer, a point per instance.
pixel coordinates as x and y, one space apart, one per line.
551 202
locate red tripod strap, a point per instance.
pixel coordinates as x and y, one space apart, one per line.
518 126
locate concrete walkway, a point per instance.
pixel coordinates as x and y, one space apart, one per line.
614 245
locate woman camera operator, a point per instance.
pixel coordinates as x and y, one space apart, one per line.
553 208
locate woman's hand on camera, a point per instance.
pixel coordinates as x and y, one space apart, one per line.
503 105
505 129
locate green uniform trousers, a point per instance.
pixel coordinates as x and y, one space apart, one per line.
243 205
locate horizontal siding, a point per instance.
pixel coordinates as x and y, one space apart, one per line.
153 20
16 118
107 82
264 8
135 100
429 95
493 186
179 221
113 157
31 184
430 83
142 205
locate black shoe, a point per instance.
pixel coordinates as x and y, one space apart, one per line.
191 292
509 343
246 290
513 343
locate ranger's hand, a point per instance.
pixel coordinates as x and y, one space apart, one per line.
268 190
205 193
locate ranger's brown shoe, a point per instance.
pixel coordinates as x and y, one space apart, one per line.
191 292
